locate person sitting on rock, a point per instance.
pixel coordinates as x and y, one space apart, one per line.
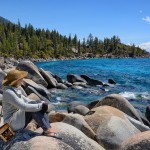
19 110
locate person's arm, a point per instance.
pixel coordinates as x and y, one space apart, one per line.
13 99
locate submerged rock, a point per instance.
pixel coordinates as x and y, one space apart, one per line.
111 81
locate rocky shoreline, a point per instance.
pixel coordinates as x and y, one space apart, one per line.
110 123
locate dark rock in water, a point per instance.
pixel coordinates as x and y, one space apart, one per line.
111 81
61 86
33 72
147 113
52 83
80 109
91 81
72 105
119 102
92 104
75 78
58 79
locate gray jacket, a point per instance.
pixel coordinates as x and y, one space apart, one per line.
14 108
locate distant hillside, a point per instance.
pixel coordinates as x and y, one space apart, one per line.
28 42
3 20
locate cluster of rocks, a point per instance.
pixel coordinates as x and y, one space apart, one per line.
111 123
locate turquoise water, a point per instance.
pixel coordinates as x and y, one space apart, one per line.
132 77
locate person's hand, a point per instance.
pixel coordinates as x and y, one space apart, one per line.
44 108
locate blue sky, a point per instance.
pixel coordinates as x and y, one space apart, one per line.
128 19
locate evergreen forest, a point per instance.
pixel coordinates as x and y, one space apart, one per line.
27 42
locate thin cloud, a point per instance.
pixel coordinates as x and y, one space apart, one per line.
145 46
146 19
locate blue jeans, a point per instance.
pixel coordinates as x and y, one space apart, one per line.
40 118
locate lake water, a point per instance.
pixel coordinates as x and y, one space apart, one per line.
132 77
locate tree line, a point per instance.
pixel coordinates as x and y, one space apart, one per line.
28 42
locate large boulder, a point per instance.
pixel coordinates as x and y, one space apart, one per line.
73 104
78 121
91 81
41 143
140 141
119 102
75 120
28 140
74 137
33 72
52 83
111 126
96 115
75 78
113 131
39 88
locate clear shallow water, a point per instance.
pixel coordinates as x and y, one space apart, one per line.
132 77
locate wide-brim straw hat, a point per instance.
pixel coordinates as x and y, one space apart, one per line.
13 77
